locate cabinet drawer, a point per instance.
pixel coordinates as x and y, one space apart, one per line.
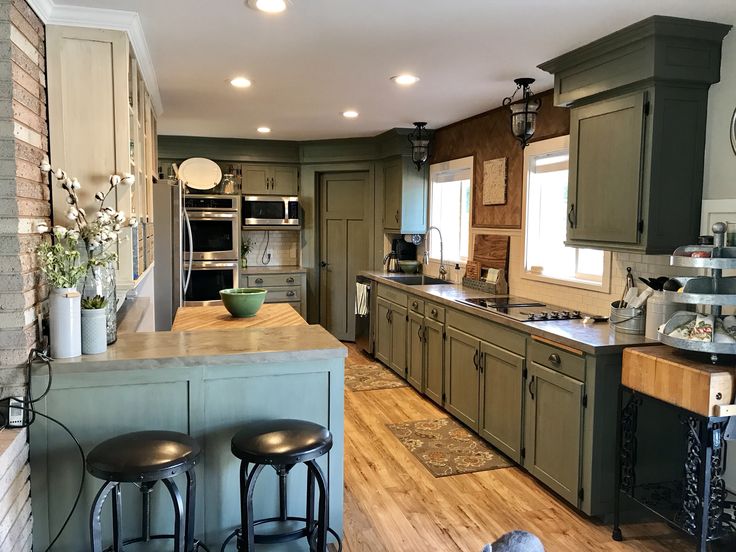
272 280
416 305
434 312
488 331
283 295
391 294
557 359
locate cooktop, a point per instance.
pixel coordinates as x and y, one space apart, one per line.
523 310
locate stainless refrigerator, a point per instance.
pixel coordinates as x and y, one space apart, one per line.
172 272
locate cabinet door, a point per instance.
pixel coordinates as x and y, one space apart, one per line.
434 360
284 181
256 179
606 154
462 353
383 331
415 352
552 436
398 340
501 399
392 180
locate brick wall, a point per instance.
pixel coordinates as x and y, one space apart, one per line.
24 202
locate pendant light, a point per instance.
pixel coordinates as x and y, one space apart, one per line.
419 140
523 111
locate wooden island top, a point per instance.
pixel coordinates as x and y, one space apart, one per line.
270 315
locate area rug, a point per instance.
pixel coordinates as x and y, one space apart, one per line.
370 377
445 447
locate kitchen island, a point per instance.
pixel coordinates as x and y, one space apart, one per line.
204 382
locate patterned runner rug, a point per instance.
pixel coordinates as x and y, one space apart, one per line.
370 377
445 447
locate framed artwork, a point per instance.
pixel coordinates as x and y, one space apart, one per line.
494 181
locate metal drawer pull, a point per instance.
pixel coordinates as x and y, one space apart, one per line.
259 280
419 333
531 387
290 294
388 316
554 358
475 359
571 216
433 312
290 280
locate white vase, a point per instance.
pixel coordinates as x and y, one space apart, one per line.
94 331
65 322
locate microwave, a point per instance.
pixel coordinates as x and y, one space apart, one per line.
270 211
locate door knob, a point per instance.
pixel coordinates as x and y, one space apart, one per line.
323 264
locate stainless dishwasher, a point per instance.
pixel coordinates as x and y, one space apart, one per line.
363 335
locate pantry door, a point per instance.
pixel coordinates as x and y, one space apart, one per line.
344 248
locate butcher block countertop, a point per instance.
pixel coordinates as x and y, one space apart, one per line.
270 315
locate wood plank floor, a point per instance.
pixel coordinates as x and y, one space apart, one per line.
392 503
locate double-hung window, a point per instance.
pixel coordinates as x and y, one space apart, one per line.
546 257
451 185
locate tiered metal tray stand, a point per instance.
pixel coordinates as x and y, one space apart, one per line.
712 290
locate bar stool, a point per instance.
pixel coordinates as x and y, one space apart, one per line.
145 458
282 444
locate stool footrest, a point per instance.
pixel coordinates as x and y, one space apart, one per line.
277 538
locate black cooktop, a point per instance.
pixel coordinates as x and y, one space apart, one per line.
524 310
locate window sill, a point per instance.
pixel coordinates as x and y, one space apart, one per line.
603 287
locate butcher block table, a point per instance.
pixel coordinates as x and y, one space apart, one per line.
690 403
270 315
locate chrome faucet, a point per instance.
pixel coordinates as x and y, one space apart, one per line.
443 270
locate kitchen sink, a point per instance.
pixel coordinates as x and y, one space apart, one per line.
416 280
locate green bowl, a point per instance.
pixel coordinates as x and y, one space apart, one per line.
243 302
409 267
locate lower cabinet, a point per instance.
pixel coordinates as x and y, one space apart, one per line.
501 393
434 359
415 351
553 433
462 354
391 335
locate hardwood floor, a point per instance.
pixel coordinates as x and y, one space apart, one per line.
392 503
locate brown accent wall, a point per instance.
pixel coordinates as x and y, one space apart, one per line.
488 136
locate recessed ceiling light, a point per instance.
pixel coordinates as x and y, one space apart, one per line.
268 6
241 82
350 114
405 79
263 130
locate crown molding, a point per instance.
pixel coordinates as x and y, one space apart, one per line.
98 18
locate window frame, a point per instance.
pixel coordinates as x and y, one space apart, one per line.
535 149
455 165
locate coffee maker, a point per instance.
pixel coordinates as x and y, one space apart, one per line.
404 250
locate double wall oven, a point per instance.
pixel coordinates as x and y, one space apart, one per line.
211 246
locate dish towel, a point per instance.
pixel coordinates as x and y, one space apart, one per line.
361 299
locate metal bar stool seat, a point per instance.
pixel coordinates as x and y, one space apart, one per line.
145 458
282 444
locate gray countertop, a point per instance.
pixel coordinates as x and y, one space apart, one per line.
597 338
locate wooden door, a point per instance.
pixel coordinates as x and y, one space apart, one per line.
501 399
399 323
285 180
462 352
552 436
344 251
415 352
392 182
256 179
434 360
606 153
382 322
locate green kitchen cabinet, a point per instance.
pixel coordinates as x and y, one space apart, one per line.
405 196
502 382
415 351
383 331
270 179
638 107
462 354
390 339
554 429
434 359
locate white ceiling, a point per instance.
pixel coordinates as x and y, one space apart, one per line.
322 57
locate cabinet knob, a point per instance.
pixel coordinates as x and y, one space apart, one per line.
414 304
554 358
433 312
290 280
259 280
290 294
323 264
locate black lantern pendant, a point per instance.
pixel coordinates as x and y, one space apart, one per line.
419 140
524 111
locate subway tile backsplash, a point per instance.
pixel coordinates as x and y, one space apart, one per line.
283 245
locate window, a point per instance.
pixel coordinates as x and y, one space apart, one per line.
546 256
450 186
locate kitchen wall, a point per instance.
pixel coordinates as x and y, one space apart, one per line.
282 244
24 201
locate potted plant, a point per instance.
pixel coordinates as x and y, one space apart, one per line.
94 326
59 260
245 248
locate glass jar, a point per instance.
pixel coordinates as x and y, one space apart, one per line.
100 280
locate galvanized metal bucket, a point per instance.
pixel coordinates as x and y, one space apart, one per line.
627 320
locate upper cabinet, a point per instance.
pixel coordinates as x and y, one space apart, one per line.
404 197
270 180
638 100
101 122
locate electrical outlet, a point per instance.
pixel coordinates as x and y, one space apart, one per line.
12 413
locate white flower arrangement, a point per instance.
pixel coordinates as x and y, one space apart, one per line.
59 260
